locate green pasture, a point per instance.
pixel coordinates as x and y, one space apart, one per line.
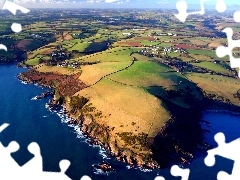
212 66
34 61
209 53
112 55
149 43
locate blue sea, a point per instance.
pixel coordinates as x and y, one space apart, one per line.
31 121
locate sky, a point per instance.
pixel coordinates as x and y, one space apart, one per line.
116 3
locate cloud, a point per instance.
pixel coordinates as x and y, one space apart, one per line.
110 1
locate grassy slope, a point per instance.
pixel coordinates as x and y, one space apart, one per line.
219 85
212 66
143 112
127 98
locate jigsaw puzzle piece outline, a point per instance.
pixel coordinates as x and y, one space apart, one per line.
87 178
33 169
177 171
236 16
157 178
222 51
12 7
227 150
7 169
64 165
182 8
35 164
221 6
4 125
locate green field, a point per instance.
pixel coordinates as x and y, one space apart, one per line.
149 43
210 53
219 85
213 66
34 61
79 47
113 55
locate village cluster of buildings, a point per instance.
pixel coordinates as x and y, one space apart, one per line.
157 50
67 64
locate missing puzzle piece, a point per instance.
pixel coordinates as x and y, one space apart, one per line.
227 150
182 8
222 51
159 178
12 7
33 169
8 164
5 125
236 16
177 171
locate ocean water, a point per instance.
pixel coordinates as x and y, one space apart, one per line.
31 121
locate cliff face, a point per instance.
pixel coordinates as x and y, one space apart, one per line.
181 136
179 139
176 141
102 135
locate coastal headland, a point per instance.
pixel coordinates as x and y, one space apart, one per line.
140 110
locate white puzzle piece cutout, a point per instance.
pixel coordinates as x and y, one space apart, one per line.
222 51
236 16
159 178
182 8
33 169
16 27
230 151
12 7
177 171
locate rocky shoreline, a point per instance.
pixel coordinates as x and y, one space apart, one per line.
176 142
99 135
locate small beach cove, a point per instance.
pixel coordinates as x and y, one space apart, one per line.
31 121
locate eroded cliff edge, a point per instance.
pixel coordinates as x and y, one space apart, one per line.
176 140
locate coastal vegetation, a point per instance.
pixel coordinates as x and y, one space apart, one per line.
77 103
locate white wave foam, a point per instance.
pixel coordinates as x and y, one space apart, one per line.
34 98
99 172
77 130
145 170
23 82
103 153
128 167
